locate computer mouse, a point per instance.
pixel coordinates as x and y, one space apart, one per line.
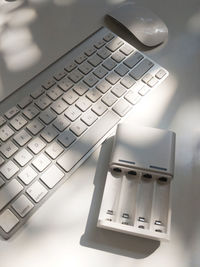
146 26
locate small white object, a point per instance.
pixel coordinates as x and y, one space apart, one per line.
136 197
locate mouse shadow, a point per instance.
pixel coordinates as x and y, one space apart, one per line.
105 240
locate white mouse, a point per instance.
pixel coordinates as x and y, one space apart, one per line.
146 26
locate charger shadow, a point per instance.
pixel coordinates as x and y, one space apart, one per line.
105 240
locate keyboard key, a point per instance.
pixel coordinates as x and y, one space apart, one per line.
52 176
109 99
22 138
2 121
31 112
11 112
54 150
66 138
41 162
72 113
93 94
128 81
109 64
147 77
25 102
95 60
37 191
59 106
82 57
99 44
43 102
80 88
84 144
9 169
113 77
144 90
48 83
61 123
8 221
118 90
104 53
36 145
22 205
90 80
35 126
5 133
65 84
99 108
126 49
118 56
59 75
122 107
109 36
54 93
133 97
23 157
141 69
83 103
103 86
89 117
78 128
114 44
160 74
132 60
90 51
100 72
47 116
70 97
8 149
49 133
152 82
8 192
71 66
27 175
75 76
18 122
38 92
85 67
121 70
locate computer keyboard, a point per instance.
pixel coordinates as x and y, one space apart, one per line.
72 108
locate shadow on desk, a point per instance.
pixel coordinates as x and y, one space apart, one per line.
113 242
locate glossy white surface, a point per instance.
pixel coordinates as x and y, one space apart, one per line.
146 26
63 232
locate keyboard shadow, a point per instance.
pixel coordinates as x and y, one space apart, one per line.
105 240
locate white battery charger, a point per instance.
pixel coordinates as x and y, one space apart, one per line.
136 197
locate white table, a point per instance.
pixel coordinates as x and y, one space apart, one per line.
63 232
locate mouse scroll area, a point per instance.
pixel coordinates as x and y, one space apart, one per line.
141 22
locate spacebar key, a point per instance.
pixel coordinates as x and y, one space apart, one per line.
78 150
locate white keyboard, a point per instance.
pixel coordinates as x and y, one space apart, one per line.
72 107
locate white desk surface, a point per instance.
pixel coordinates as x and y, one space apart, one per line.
63 232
